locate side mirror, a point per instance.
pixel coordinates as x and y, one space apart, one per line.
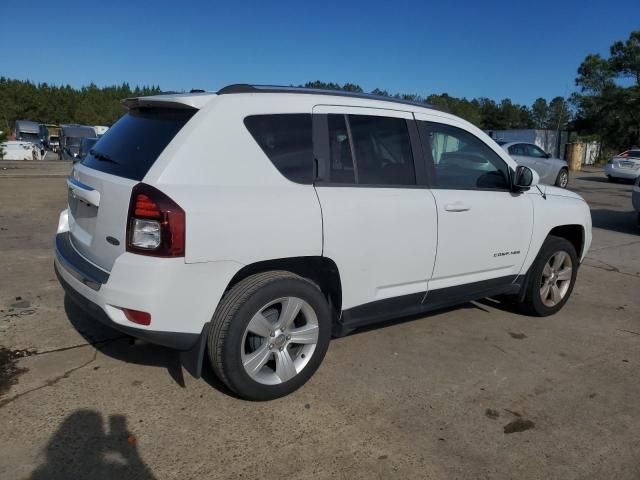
524 178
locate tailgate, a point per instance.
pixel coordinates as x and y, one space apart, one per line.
100 187
98 208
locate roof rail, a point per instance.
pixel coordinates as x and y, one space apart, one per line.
246 88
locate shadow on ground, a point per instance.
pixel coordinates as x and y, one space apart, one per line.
605 180
616 220
81 448
126 349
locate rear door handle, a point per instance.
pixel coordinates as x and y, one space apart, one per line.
457 207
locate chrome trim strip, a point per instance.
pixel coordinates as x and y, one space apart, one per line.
79 184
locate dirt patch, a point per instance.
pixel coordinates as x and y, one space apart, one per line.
21 303
491 413
9 370
518 425
517 336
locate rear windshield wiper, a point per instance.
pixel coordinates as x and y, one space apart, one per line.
101 156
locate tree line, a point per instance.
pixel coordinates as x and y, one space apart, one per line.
482 112
93 105
89 105
606 106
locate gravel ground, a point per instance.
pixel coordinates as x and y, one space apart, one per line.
470 392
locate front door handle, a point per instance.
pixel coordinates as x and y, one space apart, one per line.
457 207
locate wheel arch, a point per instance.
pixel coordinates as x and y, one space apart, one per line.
574 233
321 270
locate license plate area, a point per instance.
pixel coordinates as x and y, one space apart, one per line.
83 217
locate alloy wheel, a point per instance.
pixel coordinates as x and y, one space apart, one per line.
279 340
556 278
564 179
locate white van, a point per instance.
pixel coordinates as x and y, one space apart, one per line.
254 222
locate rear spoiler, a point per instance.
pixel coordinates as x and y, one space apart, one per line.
179 101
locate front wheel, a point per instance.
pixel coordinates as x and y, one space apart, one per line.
552 277
563 178
269 335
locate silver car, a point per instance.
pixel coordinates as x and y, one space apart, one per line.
552 171
624 166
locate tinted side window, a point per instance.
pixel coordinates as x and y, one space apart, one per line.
133 144
463 161
382 150
534 151
286 140
517 149
341 168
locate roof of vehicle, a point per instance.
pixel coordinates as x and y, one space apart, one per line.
198 98
77 131
16 143
245 88
27 126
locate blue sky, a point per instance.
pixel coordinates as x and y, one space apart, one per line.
515 49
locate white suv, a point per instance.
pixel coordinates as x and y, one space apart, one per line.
253 223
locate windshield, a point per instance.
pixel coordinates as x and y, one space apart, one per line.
132 145
73 141
28 137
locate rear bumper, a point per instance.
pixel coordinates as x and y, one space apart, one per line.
181 298
76 265
175 340
617 172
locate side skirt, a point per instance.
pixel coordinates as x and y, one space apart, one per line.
413 304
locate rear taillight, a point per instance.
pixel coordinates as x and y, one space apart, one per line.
155 225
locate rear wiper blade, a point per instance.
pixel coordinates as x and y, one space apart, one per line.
101 156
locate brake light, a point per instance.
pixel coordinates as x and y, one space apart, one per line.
155 224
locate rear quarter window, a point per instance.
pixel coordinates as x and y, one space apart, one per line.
132 145
287 140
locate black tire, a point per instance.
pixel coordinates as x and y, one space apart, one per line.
612 179
563 177
533 304
235 311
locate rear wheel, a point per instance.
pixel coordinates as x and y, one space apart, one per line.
269 335
552 277
563 178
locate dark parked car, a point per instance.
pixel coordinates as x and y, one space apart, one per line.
70 138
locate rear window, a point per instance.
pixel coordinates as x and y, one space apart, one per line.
132 145
286 140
